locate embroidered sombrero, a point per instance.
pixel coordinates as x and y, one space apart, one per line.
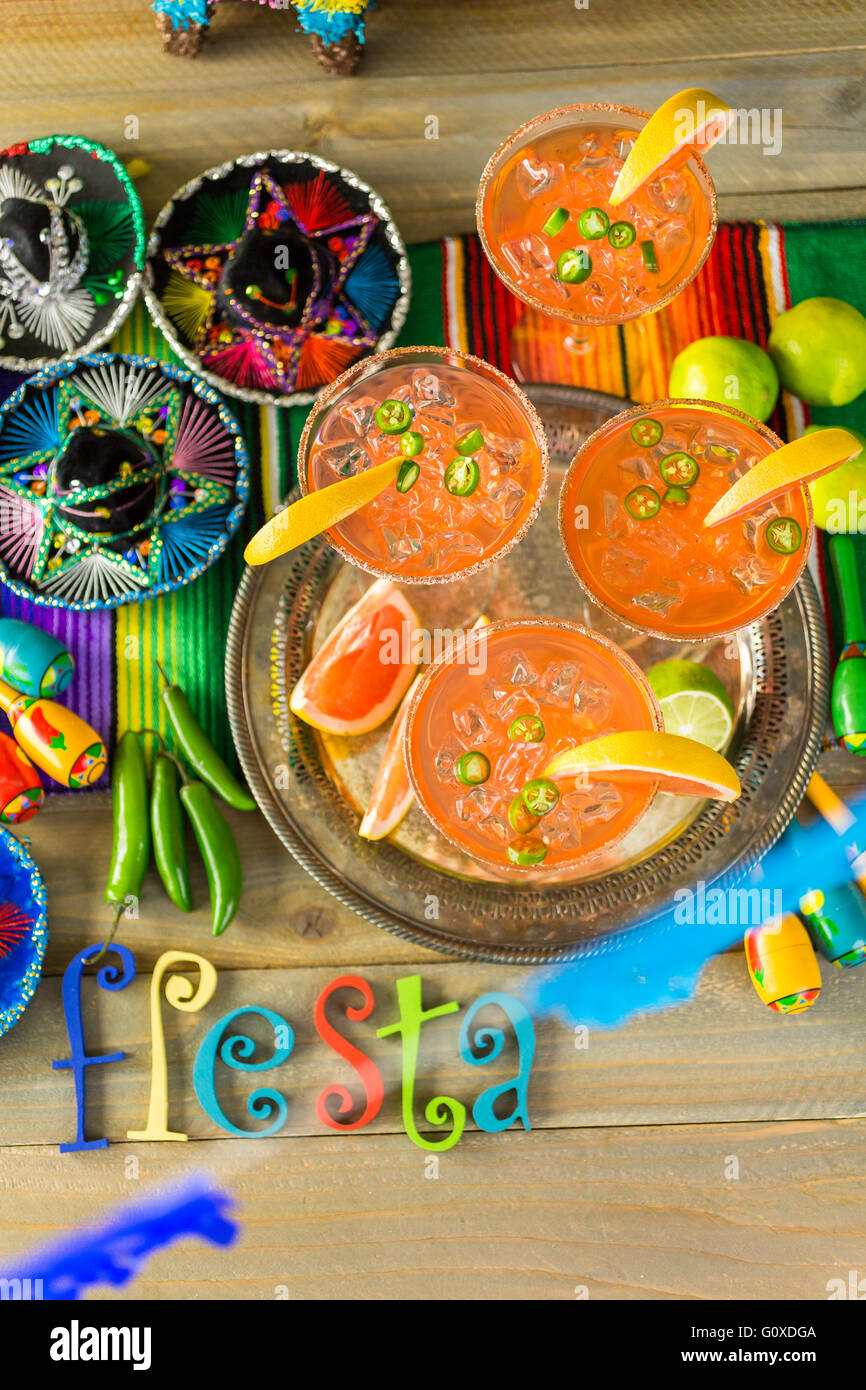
121 478
269 276
71 249
23 929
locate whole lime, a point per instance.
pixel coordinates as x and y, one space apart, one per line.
730 371
839 497
819 348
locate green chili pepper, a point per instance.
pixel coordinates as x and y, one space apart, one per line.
642 502
527 851
393 417
679 469
676 497
574 266
462 477
621 234
218 850
540 796
130 849
472 768
520 817
470 442
593 223
555 222
526 728
650 260
199 752
408 476
646 431
411 444
166 823
784 535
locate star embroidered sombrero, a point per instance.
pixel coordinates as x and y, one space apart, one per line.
121 478
72 248
269 276
23 929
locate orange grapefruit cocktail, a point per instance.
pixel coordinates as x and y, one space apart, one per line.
551 234
631 514
473 470
490 715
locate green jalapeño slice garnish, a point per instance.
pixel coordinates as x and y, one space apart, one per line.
593 223
650 259
574 266
646 431
784 535
470 443
526 728
540 796
393 417
408 476
520 818
461 477
555 222
676 497
527 851
679 469
621 234
642 502
411 444
472 769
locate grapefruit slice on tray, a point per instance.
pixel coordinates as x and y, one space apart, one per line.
362 671
392 793
679 765
691 121
808 457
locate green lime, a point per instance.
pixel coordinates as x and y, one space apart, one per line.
832 502
730 371
693 701
819 348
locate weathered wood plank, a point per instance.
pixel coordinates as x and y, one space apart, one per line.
260 87
624 1214
723 1057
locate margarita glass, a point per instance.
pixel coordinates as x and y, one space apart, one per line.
631 511
492 712
474 470
551 235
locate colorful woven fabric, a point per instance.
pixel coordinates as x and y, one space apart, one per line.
754 272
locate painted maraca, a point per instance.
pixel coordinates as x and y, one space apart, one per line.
32 660
782 964
58 741
848 700
835 916
21 792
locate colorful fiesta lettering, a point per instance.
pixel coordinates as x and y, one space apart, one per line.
480 1044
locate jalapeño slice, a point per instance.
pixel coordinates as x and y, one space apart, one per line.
574 266
412 444
526 728
470 443
520 818
784 535
676 497
472 769
621 234
555 222
679 469
408 476
650 260
462 476
593 223
642 502
646 431
527 851
540 796
393 417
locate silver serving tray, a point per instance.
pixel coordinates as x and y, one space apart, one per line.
312 788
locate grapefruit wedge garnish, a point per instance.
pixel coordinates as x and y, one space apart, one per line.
392 793
788 467
679 765
691 121
362 671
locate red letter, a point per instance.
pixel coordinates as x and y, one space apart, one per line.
368 1071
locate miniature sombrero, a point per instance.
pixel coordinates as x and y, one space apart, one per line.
23 929
71 249
121 478
269 276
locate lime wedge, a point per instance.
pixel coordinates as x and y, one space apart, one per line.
694 702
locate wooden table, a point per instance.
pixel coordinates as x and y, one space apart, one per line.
713 1151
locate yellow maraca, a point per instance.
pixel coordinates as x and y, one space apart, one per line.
59 742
